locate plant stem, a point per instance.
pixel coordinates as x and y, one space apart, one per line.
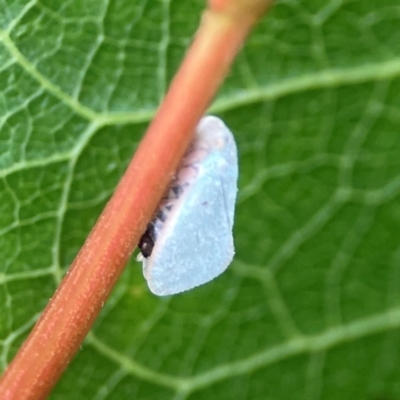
71 312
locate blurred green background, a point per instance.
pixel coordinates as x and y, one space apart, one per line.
310 308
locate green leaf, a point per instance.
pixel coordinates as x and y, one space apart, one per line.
310 308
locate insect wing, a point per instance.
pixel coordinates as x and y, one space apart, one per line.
196 244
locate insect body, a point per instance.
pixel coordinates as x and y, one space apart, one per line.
189 241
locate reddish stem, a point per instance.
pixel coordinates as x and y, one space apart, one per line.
71 312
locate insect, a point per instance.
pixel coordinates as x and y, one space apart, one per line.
189 240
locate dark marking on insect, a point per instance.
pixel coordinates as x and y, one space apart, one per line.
147 240
161 215
176 190
168 207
